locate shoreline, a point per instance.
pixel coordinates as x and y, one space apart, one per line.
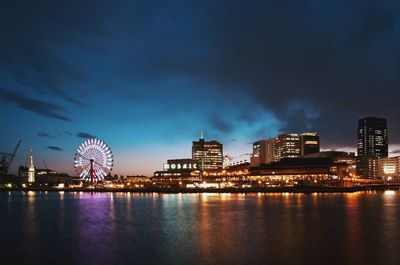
304 190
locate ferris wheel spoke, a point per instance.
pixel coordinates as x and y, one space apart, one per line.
83 156
98 163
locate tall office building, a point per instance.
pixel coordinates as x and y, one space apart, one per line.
309 143
372 137
208 153
263 152
287 146
372 144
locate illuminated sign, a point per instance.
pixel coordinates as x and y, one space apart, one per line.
389 169
181 164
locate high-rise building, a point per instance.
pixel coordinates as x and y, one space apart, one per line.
31 169
263 152
287 146
208 153
372 137
367 167
372 144
309 143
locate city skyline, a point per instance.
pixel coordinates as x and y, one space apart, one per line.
147 81
200 132
241 158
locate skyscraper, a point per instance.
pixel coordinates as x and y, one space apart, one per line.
263 152
372 144
372 137
209 154
287 146
309 143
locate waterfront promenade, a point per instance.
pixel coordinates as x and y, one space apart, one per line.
319 189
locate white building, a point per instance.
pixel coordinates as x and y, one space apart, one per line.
389 168
31 169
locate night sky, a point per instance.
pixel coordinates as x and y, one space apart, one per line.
147 76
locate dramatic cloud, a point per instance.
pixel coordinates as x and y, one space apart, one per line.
85 135
40 107
397 151
235 69
55 148
314 65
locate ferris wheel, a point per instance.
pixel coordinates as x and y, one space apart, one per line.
93 160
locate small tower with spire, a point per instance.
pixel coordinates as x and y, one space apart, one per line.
31 168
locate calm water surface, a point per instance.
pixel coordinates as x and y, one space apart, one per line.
126 228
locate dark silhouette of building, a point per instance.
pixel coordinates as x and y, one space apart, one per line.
372 144
372 137
367 166
336 156
309 143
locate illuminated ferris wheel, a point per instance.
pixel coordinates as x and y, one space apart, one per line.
93 160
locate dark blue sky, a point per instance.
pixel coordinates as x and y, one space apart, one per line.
147 76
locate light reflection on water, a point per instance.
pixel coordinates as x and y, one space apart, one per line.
207 228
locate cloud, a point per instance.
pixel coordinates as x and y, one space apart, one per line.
45 78
314 65
220 124
43 134
36 58
55 148
85 135
40 107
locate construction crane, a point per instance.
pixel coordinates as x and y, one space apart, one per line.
45 165
7 159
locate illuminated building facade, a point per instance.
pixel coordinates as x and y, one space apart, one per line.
298 170
31 169
263 152
382 168
47 177
309 143
372 144
287 146
389 168
209 154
